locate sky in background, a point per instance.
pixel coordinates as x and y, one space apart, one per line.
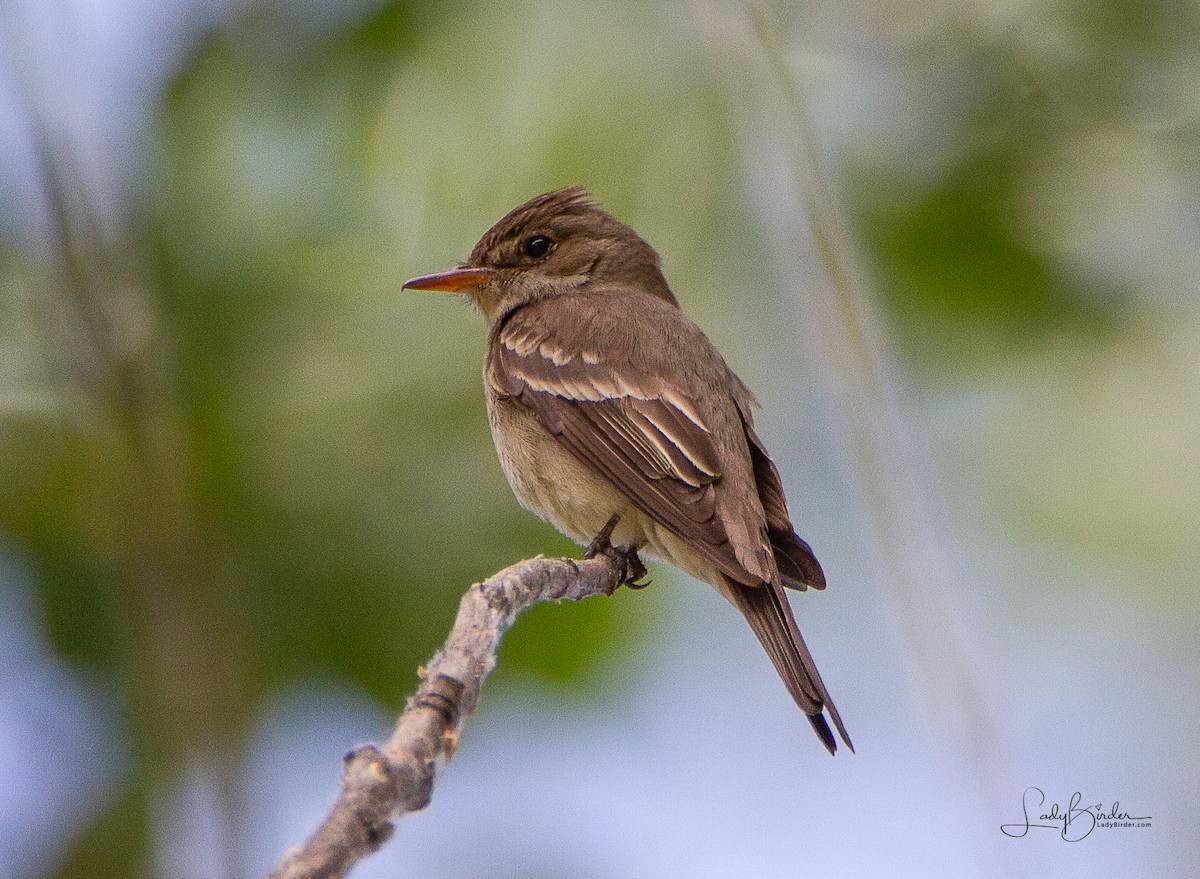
248 184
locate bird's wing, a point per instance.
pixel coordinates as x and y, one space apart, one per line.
798 566
628 422
645 425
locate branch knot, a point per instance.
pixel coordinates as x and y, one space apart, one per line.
379 784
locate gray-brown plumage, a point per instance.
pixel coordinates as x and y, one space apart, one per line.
605 400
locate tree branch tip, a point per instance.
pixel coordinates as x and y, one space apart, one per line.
379 783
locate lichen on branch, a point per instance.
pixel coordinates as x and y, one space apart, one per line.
381 783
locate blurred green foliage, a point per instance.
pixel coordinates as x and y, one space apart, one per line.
342 442
281 467
964 281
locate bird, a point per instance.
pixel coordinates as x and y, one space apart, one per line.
616 419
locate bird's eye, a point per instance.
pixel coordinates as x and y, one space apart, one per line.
537 246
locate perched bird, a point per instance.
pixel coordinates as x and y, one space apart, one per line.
617 420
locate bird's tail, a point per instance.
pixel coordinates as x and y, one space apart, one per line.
770 616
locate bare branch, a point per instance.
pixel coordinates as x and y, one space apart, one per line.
380 784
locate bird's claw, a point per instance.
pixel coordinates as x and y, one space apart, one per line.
601 544
635 571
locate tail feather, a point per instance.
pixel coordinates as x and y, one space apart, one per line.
770 616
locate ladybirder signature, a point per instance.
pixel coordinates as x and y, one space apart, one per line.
1074 822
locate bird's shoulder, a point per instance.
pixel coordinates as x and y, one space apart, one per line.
615 342
580 357
634 388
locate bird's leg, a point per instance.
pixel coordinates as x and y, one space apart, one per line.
601 544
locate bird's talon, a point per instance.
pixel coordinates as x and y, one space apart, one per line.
634 570
566 378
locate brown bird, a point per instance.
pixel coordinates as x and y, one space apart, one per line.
616 419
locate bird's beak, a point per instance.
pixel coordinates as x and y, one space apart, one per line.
453 281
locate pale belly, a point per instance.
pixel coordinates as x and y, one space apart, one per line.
551 483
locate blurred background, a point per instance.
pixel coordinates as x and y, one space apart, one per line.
954 248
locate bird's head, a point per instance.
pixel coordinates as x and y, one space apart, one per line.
556 243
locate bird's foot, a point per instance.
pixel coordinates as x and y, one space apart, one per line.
634 569
601 544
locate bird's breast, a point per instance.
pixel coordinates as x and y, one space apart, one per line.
551 482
